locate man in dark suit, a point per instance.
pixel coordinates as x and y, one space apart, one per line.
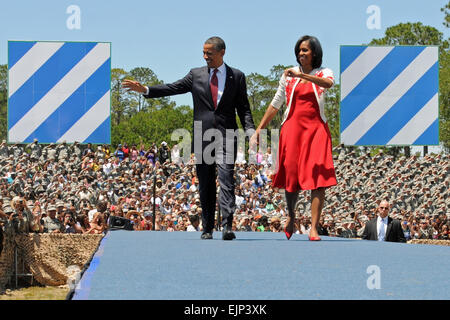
218 92
384 228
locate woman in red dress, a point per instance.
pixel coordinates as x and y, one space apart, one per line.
305 160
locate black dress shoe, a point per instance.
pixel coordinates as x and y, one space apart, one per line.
206 235
228 234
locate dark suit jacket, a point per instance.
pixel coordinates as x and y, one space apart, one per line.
394 231
234 99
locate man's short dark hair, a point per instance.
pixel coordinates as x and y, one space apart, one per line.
218 43
316 49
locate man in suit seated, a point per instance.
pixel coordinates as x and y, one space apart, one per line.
384 228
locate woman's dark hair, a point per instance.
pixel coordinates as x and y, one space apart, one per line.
101 207
316 49
81 219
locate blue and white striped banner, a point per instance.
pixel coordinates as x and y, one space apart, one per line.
59 91
389 95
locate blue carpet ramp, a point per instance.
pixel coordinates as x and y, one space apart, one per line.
261 266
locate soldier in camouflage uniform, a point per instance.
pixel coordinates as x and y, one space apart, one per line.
36 151
349 230
63 151
50 223
21 219
4 150
6 225
17 150
76 150
51 152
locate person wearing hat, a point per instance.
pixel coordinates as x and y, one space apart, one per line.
35 150
147 223
22 217
424 230
244 224
4 149
384 228
17 150
99 153
62 151
59 210
50 151
164 152
50 223
349 230
275 224
75 150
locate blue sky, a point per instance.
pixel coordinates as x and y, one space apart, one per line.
167 36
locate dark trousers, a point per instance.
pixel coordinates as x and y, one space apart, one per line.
207 175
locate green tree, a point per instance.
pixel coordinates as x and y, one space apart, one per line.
332 100
446 10
261 90
412 34
444 105
135 100
154 125
444 87
277 71
138 120
118 104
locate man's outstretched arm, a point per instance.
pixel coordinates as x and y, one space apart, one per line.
162 90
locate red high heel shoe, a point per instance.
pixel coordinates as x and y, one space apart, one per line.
288 234
314 238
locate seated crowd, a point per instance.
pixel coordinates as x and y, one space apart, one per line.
76 189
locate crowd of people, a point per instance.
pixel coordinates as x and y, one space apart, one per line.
74 188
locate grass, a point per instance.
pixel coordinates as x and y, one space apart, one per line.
36 293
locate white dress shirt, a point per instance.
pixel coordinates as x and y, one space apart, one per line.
382 223
221 77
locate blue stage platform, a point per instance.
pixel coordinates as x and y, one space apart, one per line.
261 266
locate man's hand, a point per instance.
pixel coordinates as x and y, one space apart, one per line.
131 85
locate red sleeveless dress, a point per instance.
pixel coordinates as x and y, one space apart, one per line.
305 160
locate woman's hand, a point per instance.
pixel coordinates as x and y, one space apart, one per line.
321 82
291 72
254 140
